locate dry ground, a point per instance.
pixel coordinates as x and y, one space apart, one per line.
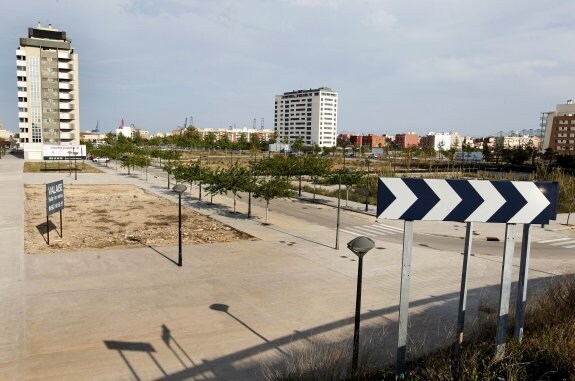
98 216
61 166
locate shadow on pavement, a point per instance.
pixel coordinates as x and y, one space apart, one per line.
429 329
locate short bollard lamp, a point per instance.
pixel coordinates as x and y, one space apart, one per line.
179 189
359 246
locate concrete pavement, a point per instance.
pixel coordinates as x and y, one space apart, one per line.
130 314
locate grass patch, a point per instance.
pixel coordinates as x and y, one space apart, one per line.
546 353
58 166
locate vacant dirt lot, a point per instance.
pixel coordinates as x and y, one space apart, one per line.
97 216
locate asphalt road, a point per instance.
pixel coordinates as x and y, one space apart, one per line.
354 223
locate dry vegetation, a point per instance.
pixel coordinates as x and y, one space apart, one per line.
59 166
98 216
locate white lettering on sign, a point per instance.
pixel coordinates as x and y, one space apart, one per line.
55 189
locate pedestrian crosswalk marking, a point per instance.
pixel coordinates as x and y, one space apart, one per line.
370 230
388 227
555 240
377 229
562 243
348 232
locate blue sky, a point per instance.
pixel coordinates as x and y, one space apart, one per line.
476 67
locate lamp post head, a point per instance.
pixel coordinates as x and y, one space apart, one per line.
360 245
179 188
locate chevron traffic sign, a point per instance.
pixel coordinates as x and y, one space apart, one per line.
514 202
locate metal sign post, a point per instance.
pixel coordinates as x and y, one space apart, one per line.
463 291
509 202
54 203
505 289
522 283
404 297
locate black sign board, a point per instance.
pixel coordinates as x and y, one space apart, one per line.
54 197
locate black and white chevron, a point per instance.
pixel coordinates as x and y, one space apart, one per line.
518 202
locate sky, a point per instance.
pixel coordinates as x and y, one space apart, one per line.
473 67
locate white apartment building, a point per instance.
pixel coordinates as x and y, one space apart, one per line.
436 141
309 114
234 134
48 102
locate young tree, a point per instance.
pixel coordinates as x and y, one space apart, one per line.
236 179
271 188
216 183
349 178
316 167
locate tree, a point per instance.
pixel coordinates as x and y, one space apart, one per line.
271 188
349 178
216 183
297 144
316 167
236 179
243 143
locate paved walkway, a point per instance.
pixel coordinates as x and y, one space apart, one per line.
130 314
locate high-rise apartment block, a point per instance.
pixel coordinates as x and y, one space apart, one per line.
47 70
307 114
560 129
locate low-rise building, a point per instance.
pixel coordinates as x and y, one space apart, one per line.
408 139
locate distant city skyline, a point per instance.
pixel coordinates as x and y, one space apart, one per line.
472 67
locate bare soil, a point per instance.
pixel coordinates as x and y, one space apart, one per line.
100 216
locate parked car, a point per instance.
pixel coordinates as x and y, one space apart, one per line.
101 159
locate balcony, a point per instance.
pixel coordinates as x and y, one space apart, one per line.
67 126
20 73
20 63
23 114
66 96
22 84
66 116
22 94
66 106
22 104
66 76
65 86
64 56
65 66
67 135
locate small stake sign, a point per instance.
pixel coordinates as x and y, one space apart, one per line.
54 203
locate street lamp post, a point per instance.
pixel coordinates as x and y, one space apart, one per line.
359 246
367 186
75 163
338 212
179 189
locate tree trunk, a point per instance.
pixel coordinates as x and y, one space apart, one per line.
234 203
267 208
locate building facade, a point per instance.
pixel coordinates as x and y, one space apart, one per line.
48 101
235 134
307 114
560 129
409 139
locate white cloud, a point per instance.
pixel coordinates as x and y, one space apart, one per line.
380 19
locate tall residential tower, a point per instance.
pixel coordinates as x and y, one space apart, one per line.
47 70
309 114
